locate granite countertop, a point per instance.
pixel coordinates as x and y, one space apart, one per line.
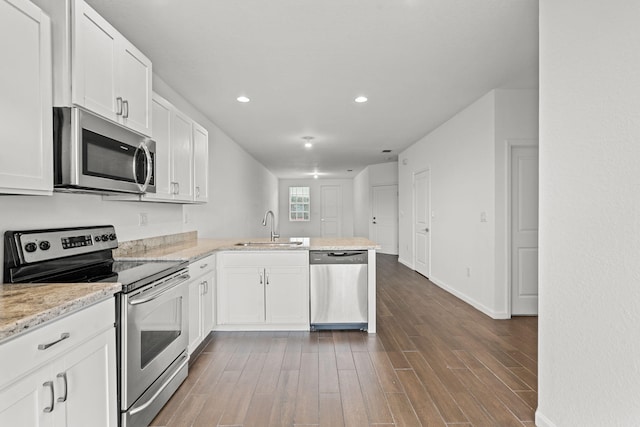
25 306
192 250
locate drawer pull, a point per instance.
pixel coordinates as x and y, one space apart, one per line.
204 265
50 385
63 375
63 337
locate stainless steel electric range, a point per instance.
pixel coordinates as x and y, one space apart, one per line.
152 316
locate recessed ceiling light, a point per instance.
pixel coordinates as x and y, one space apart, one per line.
315 176
243 99
361 99
308 139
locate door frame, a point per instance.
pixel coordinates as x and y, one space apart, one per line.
397 208
413 217
511 144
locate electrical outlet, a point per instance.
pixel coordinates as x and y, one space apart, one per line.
468 271
143 219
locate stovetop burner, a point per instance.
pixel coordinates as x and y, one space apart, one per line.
76 255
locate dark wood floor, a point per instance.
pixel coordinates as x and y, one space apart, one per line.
435 361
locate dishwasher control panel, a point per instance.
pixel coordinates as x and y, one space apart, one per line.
338 257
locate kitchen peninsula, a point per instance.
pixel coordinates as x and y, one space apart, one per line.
256 255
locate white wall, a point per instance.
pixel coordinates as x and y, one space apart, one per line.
589 339
240 188
466 157
312 228
361 203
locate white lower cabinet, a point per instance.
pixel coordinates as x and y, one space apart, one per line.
263 291
75 386
201 300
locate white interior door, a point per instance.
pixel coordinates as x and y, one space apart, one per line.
331 210
524 230
422 227
384 222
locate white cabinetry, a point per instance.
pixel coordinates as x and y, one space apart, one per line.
201 300
181 157
70 383
263 290
108 75
26 163
201 163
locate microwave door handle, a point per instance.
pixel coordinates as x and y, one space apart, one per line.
147 154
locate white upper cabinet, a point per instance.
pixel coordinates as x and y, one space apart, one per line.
201 163
26 163
181 157
107 74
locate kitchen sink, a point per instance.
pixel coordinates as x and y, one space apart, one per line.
267 244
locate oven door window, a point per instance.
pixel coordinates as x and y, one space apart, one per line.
159 329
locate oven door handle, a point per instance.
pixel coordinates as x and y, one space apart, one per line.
167 287
144 406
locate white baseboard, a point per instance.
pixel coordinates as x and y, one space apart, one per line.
542 421
406 263
477 305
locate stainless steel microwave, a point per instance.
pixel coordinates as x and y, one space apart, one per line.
94 155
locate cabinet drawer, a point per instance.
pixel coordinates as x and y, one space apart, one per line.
202 266
264 259
22 353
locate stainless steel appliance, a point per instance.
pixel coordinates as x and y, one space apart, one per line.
338 289
152 310
93 155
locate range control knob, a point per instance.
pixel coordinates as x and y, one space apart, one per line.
45 245
112 236
98 238
105 237
30 247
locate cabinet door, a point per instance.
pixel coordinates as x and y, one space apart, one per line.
195 314
135 88
208 303
26 163
181 154
287 295
23 403
161 119
241 295
94 52
201 162
87 383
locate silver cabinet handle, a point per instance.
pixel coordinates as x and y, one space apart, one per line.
197 191
63 375
206 286
204 265
261 281
426 229
63 336
119 104
50 407
125 104
266 275
177 188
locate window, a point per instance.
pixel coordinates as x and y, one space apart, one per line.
299 204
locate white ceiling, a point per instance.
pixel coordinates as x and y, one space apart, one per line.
302 63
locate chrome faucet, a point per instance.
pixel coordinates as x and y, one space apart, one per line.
274 235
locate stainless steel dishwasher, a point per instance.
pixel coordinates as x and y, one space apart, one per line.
338 294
